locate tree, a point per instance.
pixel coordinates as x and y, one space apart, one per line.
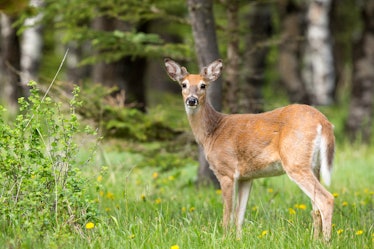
318 72
258 28
231 80
206 47
359 122
118 37
11 57
31 45
290 50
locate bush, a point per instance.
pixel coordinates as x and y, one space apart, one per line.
119 121
42 188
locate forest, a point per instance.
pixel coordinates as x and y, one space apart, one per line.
95 147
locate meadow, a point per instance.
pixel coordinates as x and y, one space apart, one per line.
145 197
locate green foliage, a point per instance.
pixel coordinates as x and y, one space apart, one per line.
42 187
124 36
117 120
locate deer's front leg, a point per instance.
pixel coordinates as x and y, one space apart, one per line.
227 185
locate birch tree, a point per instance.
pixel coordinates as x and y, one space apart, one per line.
318 72
31 46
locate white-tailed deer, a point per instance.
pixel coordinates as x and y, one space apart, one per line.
297 140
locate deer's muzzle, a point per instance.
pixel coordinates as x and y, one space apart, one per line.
192 102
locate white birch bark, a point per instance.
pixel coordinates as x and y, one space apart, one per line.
318 72
31 46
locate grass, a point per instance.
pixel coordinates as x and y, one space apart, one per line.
144 207
147 199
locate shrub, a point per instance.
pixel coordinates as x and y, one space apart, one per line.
42 188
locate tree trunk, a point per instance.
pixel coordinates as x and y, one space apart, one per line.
318 73
260 30
232 81
359 123
203 29
31 46
289 62
12 88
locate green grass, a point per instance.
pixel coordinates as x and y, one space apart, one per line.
146 196
143 207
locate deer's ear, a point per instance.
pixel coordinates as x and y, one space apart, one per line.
175 71
212 71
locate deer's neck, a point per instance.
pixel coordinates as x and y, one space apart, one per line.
204 122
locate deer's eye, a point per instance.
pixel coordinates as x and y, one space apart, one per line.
202 86
184 85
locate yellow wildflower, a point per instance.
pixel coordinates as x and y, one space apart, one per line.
142 197
270 190
300 206
174 247
99 178
335 195
192 209
183 209
340 231
171 178
155 175
109 195
158 201
291 211
359 232
90 225
131 236
254 208
218 191
344 203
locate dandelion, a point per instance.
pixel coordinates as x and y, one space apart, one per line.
142 197
184 209
99 178
335 195
359 232
263 233
270 190
344 203
155 175
254 208
218 191
174 247
340 231
90 225
109 195
131 236
300 206
171 178
158 201
101 193
192 209
291 211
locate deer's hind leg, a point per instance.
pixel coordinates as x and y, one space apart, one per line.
322 200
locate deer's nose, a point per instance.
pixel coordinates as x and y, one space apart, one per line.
192 101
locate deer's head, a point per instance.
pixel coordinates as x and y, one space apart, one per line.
194 86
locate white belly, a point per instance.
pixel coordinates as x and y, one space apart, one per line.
273 169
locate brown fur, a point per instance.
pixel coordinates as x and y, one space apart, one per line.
243 147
